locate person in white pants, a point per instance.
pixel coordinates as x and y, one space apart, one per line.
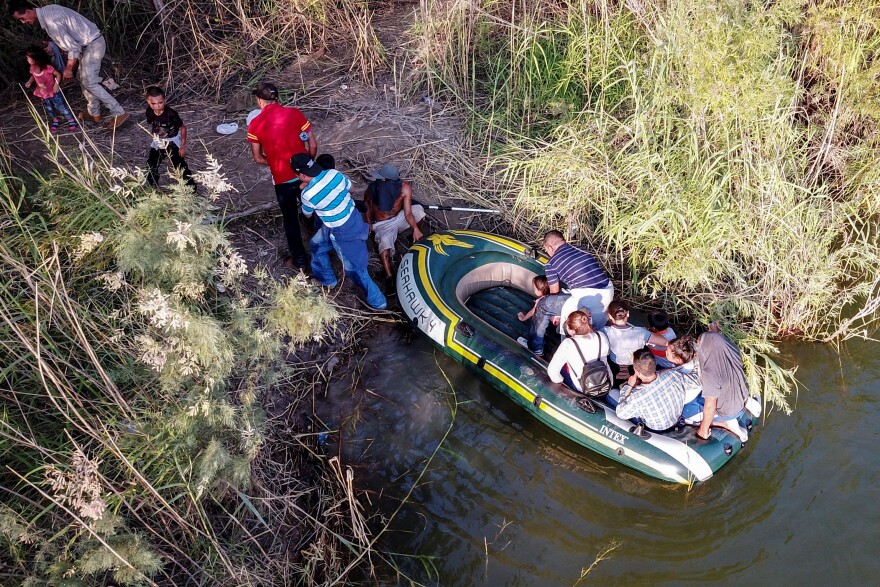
84 43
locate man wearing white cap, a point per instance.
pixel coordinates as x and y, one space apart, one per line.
390 211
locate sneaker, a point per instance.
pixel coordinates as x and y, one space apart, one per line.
734 427
525 344
318 283
754 407
295 263
54 126
71 124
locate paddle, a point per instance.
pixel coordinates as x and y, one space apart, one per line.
456 209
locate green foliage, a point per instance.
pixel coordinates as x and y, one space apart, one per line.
843 65
731 176
136 366
298 311
529 75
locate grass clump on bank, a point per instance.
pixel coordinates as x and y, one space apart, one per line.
140 352
720 155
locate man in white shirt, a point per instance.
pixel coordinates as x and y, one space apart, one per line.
84 43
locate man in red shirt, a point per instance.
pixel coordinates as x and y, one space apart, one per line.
277 134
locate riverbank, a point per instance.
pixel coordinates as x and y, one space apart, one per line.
252 484
552 117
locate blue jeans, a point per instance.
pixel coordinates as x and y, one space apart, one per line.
548 306
321 244
56 108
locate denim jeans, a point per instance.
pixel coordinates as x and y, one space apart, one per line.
320 245
548 306
56 108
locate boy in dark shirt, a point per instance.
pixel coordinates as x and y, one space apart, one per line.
169 137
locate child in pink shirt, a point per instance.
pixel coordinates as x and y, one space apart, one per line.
47 80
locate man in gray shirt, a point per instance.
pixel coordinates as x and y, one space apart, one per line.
83 42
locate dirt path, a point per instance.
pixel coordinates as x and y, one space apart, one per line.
362 126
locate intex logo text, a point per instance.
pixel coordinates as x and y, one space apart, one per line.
612 434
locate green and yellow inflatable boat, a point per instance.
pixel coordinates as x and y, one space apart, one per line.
462 289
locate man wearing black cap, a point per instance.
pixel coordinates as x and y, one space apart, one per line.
276 135
326 192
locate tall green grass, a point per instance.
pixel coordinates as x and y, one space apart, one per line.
720 155
136 363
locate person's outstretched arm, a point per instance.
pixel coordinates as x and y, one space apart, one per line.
406 190
182 149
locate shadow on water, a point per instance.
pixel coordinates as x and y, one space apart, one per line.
508 502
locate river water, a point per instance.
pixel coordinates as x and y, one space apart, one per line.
505 501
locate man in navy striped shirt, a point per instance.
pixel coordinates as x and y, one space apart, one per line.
585 279
325 192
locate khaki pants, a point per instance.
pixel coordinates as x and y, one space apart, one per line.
90 78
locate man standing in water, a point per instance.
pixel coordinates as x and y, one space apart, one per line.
276 135
84 43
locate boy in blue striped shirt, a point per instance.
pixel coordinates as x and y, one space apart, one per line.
325 192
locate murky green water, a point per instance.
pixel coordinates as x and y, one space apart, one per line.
507 502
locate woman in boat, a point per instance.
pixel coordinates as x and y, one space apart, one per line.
593 345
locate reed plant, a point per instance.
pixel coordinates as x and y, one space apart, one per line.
137 364
197 46
720 155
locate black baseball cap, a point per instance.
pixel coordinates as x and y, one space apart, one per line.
303 163
266 91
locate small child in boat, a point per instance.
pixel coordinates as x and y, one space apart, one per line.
658 323
625 338
539 283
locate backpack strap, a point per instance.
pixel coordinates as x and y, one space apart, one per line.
578 347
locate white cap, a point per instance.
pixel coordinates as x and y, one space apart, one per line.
251 115
227 128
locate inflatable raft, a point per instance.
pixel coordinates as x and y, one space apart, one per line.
462 289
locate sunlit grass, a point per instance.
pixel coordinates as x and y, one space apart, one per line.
720 156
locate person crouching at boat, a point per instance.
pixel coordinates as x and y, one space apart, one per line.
717 369
588 285
567 363
655 398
